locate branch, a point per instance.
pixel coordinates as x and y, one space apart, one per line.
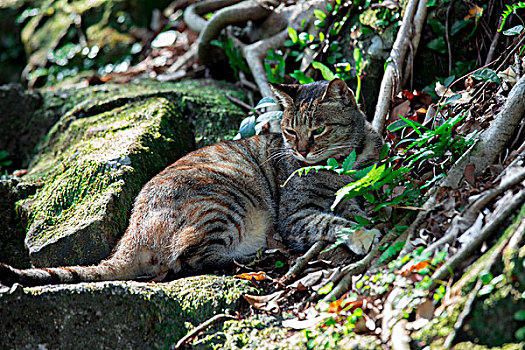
200 328
353 269
463 221
303 260
391 78
490 228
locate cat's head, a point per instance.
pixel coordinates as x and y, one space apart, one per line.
321 120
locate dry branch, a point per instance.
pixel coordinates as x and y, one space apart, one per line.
200 328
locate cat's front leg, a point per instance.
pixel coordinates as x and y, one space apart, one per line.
302 228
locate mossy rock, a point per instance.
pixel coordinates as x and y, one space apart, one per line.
114 315
110 140
91 174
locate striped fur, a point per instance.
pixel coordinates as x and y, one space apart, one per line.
220 203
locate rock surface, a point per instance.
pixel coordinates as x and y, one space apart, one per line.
108 141
114 315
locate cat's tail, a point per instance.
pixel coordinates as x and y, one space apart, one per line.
120 266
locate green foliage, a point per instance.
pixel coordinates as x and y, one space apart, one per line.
508 11
486 74
234 56
252 125
4 160
274 66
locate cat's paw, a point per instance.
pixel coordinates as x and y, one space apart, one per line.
361 240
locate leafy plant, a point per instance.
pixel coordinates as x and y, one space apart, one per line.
4 160
508 11
252 125
234 56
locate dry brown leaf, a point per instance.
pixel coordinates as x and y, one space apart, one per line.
267 303
401 109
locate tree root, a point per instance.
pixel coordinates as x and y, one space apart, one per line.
410 32
453 263
463 221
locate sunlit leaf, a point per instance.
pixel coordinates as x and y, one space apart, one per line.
257 276
325 71
293 34
247 127
265 102
517 30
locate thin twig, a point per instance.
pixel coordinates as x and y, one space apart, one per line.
353 269
302 261
200 328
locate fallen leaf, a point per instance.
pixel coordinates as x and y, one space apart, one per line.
344 304
442 90
257 276
401 109
469 174
269 303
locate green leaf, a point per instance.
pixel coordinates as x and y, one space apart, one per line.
332 162
361 220
373 176
398 124
449 80
520 334
279 264
266 117
325 71
247 127
303 79
439 257
486 74
293 34
320 14
457 26
520 315
437 27
517 30
438 45
326 289
265 102
349 161
358 58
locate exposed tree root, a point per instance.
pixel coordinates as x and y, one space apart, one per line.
494 226
409 34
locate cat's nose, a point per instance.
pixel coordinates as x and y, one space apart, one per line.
303 152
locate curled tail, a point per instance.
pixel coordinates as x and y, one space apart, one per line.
120 266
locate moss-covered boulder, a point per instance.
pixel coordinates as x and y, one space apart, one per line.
108 142
114 315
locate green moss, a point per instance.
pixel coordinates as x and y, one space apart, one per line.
142 315
92 171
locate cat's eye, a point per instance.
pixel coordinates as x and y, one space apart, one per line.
319 131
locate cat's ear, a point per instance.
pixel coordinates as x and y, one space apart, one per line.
285 93
337 90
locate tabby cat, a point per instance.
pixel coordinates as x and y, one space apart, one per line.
222 202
